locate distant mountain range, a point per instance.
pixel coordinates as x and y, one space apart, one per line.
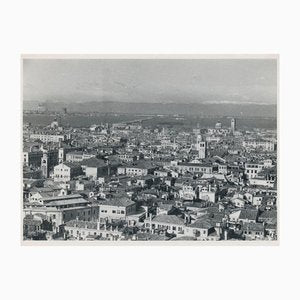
202 109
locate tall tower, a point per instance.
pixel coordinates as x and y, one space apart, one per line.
233 125
45 165
201 147
61 155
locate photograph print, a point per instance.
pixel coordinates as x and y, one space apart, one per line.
151 149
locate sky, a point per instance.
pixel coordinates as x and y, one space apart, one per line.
151 80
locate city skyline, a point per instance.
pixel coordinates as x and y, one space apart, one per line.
143 172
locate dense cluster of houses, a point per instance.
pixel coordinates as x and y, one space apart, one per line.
129 182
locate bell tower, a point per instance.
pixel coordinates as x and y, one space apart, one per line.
61 155
233 125
201 147
45 165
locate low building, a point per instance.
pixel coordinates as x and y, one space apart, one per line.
169 223
253 169
46 138
248 216
253 231
60 215
63 201
266 178
36 194
222 169
188 191
207 194
141 168
238 202
268 216
95 168
201 230
84 230
78 156
66 171
32 157
259 144
117 208
81 185
194 168
161 173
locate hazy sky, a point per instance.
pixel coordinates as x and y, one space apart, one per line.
149 80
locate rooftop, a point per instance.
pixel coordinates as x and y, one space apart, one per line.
250 214
171 219
94 163
201 224
253 226
122 201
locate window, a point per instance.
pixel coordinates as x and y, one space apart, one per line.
174 227
122 212
113 211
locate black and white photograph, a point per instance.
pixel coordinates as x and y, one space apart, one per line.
133 148
149 149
